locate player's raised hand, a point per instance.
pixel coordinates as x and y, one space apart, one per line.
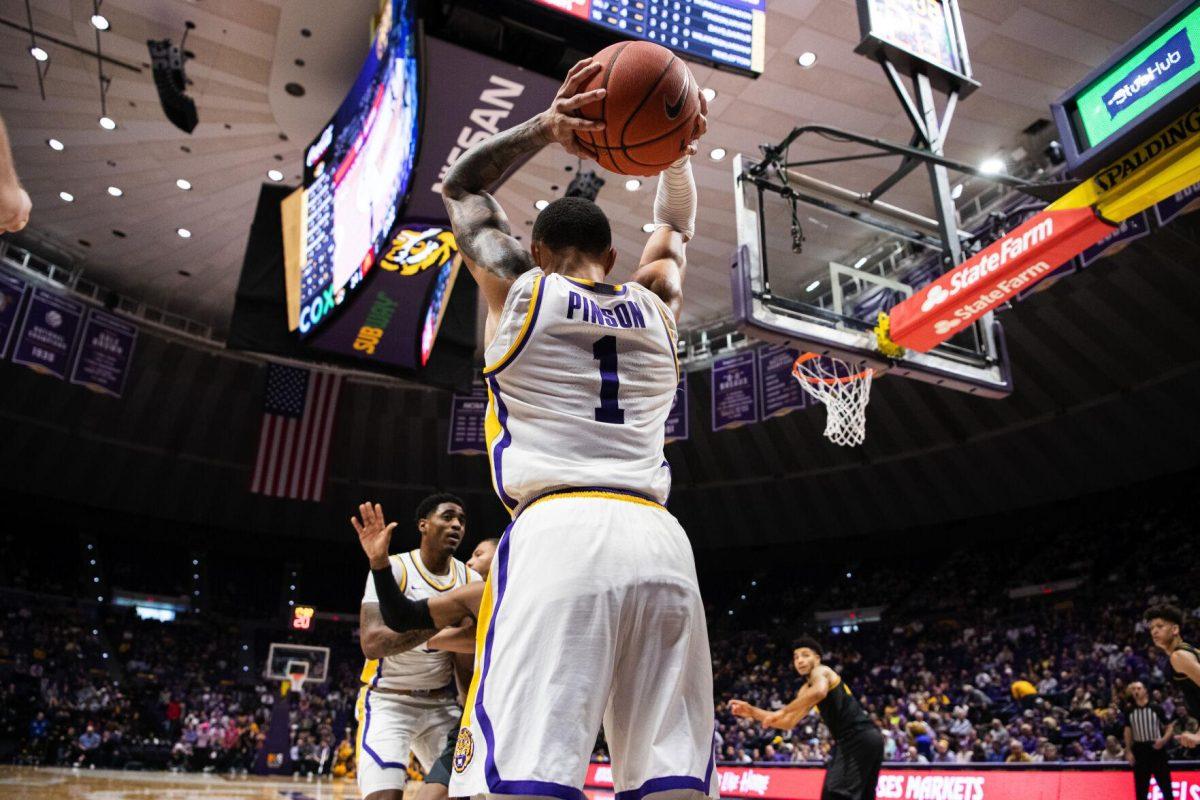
559 122
374 533
14 208
740 708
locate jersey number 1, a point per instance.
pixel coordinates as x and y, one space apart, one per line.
604 350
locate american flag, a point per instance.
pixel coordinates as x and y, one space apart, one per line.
293 448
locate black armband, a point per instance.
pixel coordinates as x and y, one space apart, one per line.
398 612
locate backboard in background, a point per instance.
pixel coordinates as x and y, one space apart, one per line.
831 309
283 659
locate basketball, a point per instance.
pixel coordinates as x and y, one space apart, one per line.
650 109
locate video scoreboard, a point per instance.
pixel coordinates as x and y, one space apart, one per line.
729 33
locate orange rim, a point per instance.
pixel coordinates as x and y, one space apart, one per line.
824 381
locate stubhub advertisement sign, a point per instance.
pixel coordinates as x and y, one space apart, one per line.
1012 783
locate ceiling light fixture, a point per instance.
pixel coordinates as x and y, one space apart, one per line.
67 197
812 286
184 184
100 22
274 174
540 204
956 192
108 123
992 166
709 93
717 153
858 264
807 59
39 54
114 191
184 233
632 185
55 144
648 227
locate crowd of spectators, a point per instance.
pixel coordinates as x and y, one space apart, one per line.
957 669
87 690
953 665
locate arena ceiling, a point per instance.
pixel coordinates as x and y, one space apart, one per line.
1025 53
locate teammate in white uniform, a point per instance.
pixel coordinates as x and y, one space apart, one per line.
409 700
592 611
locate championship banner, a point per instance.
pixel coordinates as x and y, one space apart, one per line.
467 413
12 291
781 393
105 353
48 333
477 96
1182 202
734 391
803 782
1131 229
677 419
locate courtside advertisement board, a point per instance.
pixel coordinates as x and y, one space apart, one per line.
804 783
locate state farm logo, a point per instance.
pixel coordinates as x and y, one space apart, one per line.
945 325
937 295
931 787
978 268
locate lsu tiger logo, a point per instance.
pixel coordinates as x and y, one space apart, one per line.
464 750
414 251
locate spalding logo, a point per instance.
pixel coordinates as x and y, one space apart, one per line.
414 251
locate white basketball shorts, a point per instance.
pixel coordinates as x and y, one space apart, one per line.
392 726
592 614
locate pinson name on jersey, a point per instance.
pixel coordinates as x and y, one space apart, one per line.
621 315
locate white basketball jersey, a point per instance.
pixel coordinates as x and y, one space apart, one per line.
581 377
419 668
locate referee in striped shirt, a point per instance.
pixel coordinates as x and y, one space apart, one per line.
1147 733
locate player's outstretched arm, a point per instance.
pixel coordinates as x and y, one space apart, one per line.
494 257
663 261
14 200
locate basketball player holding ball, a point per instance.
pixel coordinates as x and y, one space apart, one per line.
592 611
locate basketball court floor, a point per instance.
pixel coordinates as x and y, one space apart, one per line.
55 783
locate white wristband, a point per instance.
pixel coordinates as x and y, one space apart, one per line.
675 202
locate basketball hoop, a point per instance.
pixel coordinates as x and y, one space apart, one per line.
297 672
845 390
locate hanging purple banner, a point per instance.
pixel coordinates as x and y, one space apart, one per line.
781 393
1178 204
467 414
48 333
105 353
12 292
677 420
734 391
1131 229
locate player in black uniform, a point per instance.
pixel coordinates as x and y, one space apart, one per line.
1164 622
858 750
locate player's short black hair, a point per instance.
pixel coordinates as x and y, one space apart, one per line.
810 643
573 222
430 504
492 540
1165 611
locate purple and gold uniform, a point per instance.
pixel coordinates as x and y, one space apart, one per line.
592 613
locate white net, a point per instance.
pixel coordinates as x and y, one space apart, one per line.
844 388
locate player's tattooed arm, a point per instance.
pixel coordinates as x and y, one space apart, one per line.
379 641
479 223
